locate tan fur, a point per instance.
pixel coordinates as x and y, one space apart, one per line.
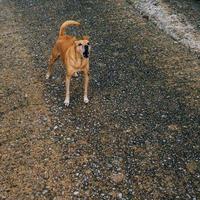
70 50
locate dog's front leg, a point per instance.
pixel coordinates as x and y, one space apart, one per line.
67 83
86 81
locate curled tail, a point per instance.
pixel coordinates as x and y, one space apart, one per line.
66 24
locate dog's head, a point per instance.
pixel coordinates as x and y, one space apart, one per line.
83 46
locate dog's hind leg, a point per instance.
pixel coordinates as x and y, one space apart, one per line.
54 56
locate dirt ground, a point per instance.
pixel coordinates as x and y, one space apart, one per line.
138 138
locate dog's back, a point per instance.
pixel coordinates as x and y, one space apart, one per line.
65 41
63 44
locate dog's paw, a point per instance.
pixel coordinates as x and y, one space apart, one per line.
86 100
66 102
75 74
47 76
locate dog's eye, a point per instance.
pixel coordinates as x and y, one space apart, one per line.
79 44
88 43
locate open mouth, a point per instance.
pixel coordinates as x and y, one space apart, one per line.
85 54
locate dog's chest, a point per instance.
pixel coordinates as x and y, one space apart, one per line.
79 64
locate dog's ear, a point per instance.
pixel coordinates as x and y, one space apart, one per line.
85 37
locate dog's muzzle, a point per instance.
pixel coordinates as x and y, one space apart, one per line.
86 51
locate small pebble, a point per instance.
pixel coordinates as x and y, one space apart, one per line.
76 193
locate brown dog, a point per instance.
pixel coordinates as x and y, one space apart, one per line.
74 55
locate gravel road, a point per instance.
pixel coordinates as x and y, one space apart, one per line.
138 138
